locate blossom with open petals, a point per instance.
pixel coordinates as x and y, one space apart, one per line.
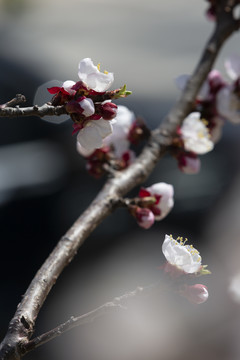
185 257
117 140
195 135
92 77
121 126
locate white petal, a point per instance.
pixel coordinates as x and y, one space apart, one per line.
104 127
89 137
88 106
86 67
99 81
92 77
232 66
92 135
67 86
82 151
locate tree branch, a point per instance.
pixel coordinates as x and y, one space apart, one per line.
40 111
111 306
22 325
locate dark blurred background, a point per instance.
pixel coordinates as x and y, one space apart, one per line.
44 186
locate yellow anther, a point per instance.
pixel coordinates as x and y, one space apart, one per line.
205 122
98 66
200 135
105 72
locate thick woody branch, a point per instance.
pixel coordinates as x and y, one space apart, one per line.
22 325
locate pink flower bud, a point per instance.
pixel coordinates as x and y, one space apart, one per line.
108 110
196 294
145 217
189 163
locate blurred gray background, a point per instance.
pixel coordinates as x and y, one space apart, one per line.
44 186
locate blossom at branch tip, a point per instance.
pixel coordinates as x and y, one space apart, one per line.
195 134
163 195
184 257
92 77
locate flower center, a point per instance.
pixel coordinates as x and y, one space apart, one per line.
190 248
105 71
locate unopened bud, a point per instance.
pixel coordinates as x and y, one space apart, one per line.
196 294
145 218
108 110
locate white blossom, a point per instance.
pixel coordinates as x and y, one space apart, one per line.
184 257
121 126
164 195
92 135
195 134
92 77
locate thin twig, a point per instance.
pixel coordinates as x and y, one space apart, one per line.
116 303
19 99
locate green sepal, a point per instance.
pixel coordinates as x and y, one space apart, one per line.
122 92
204 271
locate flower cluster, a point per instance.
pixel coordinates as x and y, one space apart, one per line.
155 203
216 102
185 260
115 150
89 104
